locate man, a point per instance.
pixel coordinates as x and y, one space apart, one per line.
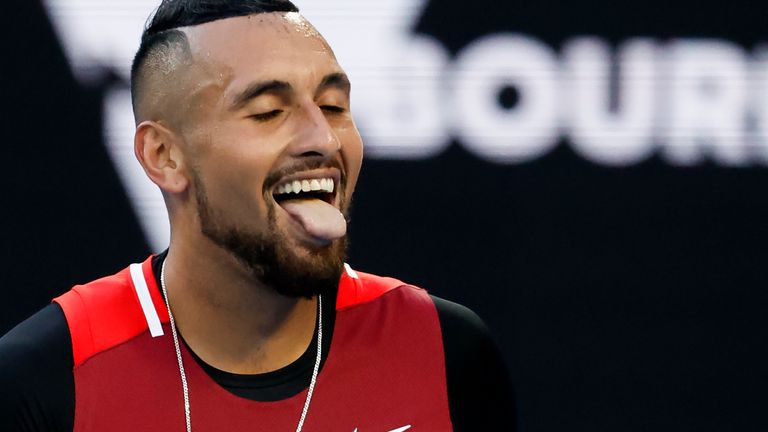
250 320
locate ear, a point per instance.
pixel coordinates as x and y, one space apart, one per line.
156 149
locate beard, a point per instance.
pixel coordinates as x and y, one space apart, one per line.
269 256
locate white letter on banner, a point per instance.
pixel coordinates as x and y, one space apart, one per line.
624 135
758 105
486 67
707 111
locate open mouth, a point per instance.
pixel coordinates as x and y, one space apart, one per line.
312 202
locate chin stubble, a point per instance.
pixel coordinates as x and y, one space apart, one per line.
269 255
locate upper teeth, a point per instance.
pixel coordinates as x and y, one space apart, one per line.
297 186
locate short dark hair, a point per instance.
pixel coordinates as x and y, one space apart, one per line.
161 30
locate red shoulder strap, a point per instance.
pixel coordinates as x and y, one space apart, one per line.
109 311
357 287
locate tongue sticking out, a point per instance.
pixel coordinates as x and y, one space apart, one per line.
318 218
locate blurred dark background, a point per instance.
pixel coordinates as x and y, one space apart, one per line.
623 298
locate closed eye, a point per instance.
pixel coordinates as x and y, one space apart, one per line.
269 115
333 109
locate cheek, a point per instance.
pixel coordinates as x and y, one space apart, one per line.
234 171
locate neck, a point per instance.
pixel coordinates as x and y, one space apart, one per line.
230 320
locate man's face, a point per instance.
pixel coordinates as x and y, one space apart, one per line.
267 111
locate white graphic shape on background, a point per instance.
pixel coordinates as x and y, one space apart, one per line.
103 35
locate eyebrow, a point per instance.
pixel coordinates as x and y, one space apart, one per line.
276 87
281 88
335 80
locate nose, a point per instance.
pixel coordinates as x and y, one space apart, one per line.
315 136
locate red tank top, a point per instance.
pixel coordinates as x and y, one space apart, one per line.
385 369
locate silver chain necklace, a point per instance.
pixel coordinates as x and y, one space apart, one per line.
184 386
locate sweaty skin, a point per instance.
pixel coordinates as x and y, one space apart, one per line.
236 152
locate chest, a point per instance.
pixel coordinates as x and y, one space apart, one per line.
385 371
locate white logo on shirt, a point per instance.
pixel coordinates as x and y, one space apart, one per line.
400 429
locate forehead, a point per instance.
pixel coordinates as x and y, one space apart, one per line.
280 46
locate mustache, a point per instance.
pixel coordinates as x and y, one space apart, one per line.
306 164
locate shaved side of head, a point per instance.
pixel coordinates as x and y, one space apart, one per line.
160 70
159 75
